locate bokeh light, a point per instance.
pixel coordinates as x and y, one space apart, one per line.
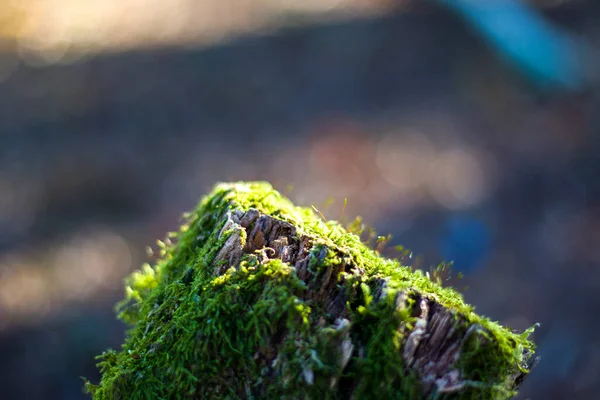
78 269
428 121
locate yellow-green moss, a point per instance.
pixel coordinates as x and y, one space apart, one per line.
196 335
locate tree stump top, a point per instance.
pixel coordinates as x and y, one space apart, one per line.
257 298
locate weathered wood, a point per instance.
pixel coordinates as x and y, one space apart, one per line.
343 322
432 347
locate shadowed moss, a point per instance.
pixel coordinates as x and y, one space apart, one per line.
252 332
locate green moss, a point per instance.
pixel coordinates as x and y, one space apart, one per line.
197 334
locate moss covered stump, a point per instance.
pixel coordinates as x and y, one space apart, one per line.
256 298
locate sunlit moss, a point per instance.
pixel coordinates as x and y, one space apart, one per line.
197 335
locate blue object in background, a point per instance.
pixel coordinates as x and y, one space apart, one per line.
552 58
466 241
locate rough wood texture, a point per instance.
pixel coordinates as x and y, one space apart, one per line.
432 347
259 299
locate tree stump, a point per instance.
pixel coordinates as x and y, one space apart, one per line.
259 299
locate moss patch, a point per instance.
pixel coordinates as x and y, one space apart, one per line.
308 312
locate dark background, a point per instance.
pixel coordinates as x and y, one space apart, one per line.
408 113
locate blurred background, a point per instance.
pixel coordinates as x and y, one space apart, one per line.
466 129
